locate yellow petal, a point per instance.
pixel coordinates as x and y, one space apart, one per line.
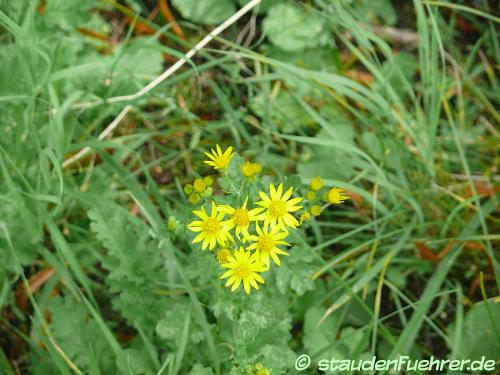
236 284
272 192
246 286
279 192
288 194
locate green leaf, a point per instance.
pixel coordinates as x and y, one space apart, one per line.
207 12
371 10
80 335
292 28
478 337
199 369
318 340
134 263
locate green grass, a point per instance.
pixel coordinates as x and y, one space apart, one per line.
415 144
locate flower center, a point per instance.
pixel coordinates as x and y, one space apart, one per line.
240 217
211 225
222 162
277 208
266 243
243 271
223 255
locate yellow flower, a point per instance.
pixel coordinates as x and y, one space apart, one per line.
223 255
336 196
316 210
305 217
244 267
311 195
240 218
250 169
199 185
208 181
266 243
194 198
317 183
210 228
261 370
219 159
279 206
172 223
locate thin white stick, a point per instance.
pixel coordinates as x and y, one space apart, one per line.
84 151
167 73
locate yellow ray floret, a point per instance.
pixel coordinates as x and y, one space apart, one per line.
250 169
336 196
210 228
266 243
240 218
279 207
219 159
244 268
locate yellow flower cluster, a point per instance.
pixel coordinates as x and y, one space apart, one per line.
258 233
249 238
332 196
201 187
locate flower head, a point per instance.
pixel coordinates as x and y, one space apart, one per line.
240 218
336 196
279 207
244 267
223 256
311 195
194 198
250 169
305 217
199 185
210 228
266 243
316 210
317 183
219 159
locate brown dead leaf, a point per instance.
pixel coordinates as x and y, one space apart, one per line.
360 76
35 282
165 10
426 252
477 281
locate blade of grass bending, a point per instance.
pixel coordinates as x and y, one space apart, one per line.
456 341
463 8
488 308
342 146
373 272
110 338
378 298
408 336
413 306
67 254
182 343
352 251
384 331
54 349
472 185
